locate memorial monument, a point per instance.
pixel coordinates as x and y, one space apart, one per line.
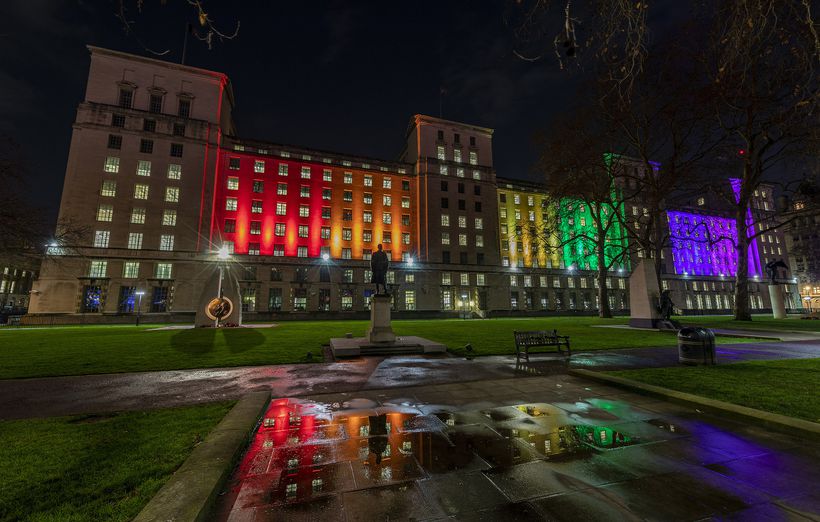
648 307
776 288
219 302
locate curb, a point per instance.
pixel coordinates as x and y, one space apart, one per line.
190 493
770 420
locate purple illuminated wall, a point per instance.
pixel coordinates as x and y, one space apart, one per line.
704 245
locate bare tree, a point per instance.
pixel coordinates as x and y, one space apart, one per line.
586 201
762 58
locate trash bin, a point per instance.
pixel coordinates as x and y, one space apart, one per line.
696 346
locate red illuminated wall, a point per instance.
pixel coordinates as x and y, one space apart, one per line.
268 218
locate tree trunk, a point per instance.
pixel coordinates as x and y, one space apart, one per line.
603 292
742 310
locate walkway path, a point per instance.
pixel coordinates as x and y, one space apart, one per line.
47 397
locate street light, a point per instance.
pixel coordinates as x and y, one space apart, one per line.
325 257
139 294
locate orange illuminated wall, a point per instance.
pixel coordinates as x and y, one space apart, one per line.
346 203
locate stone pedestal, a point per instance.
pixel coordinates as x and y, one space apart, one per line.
380 330
230 290
778 301
643 296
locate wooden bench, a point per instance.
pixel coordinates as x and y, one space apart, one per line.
526 340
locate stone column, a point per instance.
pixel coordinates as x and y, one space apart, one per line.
380 330
643 296
778 303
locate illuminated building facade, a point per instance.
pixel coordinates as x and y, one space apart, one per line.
158 176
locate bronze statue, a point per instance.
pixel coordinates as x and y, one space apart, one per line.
771 269
378 267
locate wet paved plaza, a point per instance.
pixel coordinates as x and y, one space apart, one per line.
553 447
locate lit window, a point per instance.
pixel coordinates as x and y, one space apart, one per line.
163 270
233 183
325 212
174 171
348 178
347 234
172 194
476 174
278 250
387 237
701 201
279 229
135 240
346 253
325 233
101 238
138 216
462 239
143 168
457 155
304 191
479 223
367 217
445 238
387 218
281 208
462 222
230 226
253 249
326 194
130 270
301 251
109 188
169 217
479 240
445 220
105 213
409 299
98 269
166 242
445 278
440 152
405 202
479 279
459 173
368 181
140 191
473 157
327 175
442 170
513 280
387 183
464 279
112 164
230 203
304 211
259 166
405 238
305 172
367 236
283 169
387 200
233 163
303 231
256 207
367 198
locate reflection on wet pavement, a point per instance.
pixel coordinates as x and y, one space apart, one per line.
377 457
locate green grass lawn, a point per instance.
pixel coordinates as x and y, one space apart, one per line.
788 387
758 322
38 352
95 467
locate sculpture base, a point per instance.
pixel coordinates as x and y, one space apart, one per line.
356 346
778 302
380 330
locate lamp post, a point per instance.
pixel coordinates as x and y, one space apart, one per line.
223 255
139 294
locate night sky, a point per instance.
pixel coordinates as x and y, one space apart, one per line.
336 76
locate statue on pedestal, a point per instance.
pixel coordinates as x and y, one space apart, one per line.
772 269
378 266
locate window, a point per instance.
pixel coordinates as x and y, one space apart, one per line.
479 279
445 278
179 129
347 214
479 240
367 236
174 171
143 168
281 208
230 203
445 238
368 181
348 178
326 194
327 175
230 226
473 157
457 154
278 250
405 202
387 183
479 223
281 189
325 233
138 216
305 172
135 240
130 270
149 125
387 237
109 188
146 146
259 166
405 219
184 108
303 231
233 163
462 239
105 213
279 229
347 234
169 217
126 98
176 150
112 164
283 169
409 299
301 251
256 206
347 195
460 173
304 211
405 238
258 186
172 194
166 242
101 238
346 253
405 183
233 183
442 170
367 198
163 270
117 120
325 212
304 191
387 200
387 218
367 217
440 152
98 269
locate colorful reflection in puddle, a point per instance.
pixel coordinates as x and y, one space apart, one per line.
305 450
